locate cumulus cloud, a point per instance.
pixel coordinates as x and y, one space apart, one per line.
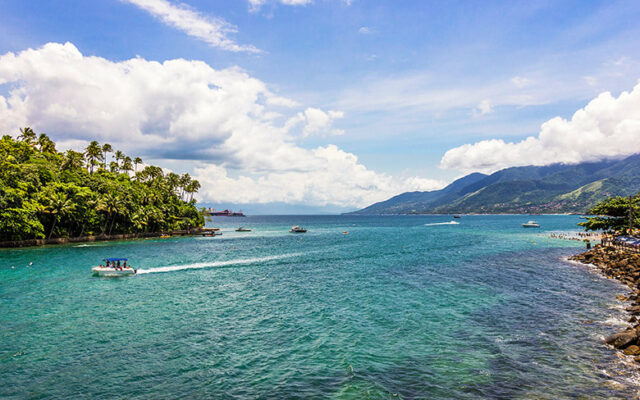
607 127
241 135
364 30
211 30
341 180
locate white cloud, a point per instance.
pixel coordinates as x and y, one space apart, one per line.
256 4
364 30
520 81
341 180
211 30
316 121
483 108
607 127
222 120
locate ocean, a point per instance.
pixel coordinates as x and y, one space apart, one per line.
399 307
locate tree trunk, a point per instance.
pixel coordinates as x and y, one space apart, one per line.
104 230
112 221
53 227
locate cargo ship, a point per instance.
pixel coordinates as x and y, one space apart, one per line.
225 213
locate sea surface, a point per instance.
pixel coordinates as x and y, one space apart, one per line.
399 307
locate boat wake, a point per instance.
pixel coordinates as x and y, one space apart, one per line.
245 261
443 223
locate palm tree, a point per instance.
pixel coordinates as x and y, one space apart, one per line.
27 135
140 219
192 187
119 156
106 148
46 144
93 152
111 204
137 161
114 167
185 180
59 205
173 180
127 165
72 160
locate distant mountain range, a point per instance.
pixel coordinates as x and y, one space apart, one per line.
557 188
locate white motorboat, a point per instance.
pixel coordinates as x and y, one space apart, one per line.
531 224
297 229
114 267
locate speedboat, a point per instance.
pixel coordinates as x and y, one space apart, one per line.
531 224
457 216
114 268
241 229
297 229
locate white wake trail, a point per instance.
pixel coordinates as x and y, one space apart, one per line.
443 223
214 264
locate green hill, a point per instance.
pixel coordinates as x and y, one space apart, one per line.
557 188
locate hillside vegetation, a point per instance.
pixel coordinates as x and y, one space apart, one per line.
48 194
557 188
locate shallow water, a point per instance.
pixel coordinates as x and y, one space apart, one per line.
400 307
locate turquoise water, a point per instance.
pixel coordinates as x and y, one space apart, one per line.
396 308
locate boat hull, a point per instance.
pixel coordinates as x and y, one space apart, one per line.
530 226
112 273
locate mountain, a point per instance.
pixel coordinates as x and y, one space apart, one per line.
557 188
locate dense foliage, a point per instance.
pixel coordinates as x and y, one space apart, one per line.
613 214
46 193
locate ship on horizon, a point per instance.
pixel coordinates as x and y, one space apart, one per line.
225 213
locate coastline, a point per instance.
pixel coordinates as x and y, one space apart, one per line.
9 244
623 265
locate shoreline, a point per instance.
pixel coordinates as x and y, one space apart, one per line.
12 244
622 265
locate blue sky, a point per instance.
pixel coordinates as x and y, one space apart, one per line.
397 84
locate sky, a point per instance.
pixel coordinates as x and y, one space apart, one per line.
325 105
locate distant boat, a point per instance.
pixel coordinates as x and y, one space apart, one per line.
225 213
297 229
531 224
115 267
241 229
457 216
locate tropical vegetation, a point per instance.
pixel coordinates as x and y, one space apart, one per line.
45 193
613 214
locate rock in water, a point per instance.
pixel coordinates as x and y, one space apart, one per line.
622 339
632 350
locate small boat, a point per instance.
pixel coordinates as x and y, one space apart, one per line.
211 233
297 229
457 216
115 267
531 224
241 229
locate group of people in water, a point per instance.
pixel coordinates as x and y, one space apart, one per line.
577 236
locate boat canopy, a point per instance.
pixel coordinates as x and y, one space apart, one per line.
115 259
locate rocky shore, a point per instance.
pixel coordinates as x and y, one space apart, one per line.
623 265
